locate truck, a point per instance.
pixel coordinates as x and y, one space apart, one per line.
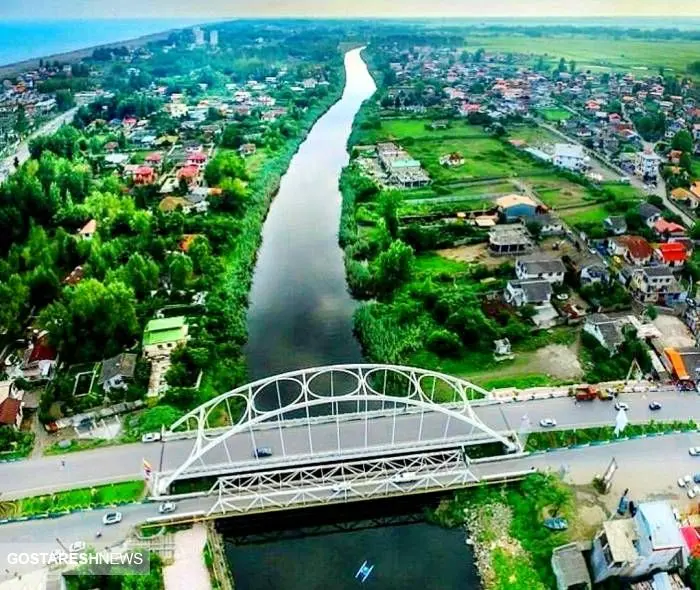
585 394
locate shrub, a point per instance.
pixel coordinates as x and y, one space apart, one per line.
444 343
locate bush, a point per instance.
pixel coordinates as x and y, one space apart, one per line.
444 343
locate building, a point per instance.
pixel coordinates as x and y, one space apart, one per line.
671 254
570 568
198 36
509 239
635 249
161 336
40 358
685 197
144 175
214 38
247 149
647 164
88 230
570 156
538 267
117 371
605 329
615 224
519 293
634 547
668 229
650 214
549 225
401 169
514 207
452 160
656 284
594 272
10 405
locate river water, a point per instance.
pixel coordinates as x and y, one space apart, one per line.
301 316
300 311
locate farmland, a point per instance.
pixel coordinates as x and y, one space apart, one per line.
400 129
596 53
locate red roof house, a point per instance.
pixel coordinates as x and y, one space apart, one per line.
188 173
692 540
155 158
669 228
196 158
11 412
635 248
144 175
671 253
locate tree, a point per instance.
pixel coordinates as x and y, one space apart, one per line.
686 162
225 164
389 207
21 121
234 196
14 295
180 269
393 267
683 141
694 566
562 65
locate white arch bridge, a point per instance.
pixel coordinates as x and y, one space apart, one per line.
337 433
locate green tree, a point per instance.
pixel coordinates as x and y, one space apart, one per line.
393 267
683 141
180 270
21 121
14 295
390 207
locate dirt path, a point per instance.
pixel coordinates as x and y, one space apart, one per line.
188 571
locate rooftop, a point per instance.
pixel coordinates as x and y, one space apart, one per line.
513 200
621 535
570 567
540 265
165 330
661 525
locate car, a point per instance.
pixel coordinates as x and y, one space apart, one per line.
150 437
694 451
77 546
112 518
621 406
405 477
336 488
694 491
167 507
696 478
684 481
654 405
262 452
548 423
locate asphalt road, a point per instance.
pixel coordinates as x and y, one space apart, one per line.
22 151
648 467
118 463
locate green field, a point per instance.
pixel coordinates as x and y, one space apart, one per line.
534 136
584 215
484 158
555 114
619 54
559 192
399 129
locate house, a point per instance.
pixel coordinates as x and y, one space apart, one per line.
116 160
695 189
88 230
247 149
605 329
40 358
190 174
161 336
533 292
635 249
671 254
549 225
197 199
196 159
154 159
510 239
685 197
570 568
634 547
570 156
649 213
539 267
615 224
451 160
656 284
668 229
647 164
75 276
144 175
10 405
116 371
514 207
595 272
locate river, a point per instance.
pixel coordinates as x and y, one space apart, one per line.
301 316
300 311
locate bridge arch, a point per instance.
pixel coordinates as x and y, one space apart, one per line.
348 391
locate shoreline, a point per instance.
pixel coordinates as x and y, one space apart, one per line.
76 55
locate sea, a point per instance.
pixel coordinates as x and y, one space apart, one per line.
22 40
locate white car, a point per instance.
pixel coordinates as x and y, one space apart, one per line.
337 488
621 406
167 507
406 476
150 437
77 546
548 423
694 451
684 481
112 518
694 491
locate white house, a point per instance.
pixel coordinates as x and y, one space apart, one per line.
117 371
647 164
538 267
570 156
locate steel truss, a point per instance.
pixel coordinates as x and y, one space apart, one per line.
387 389
358 480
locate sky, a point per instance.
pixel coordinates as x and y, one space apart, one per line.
214 9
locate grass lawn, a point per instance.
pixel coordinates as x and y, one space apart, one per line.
695 169
583 215
624 192
429 263
484 158
534 136
467 190
254 163
445 207
79 445
100 496
621 54
399 129
555 114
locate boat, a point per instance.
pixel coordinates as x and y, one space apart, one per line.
556 524
364 572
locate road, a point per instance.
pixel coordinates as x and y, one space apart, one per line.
22 151
649 467
119 463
